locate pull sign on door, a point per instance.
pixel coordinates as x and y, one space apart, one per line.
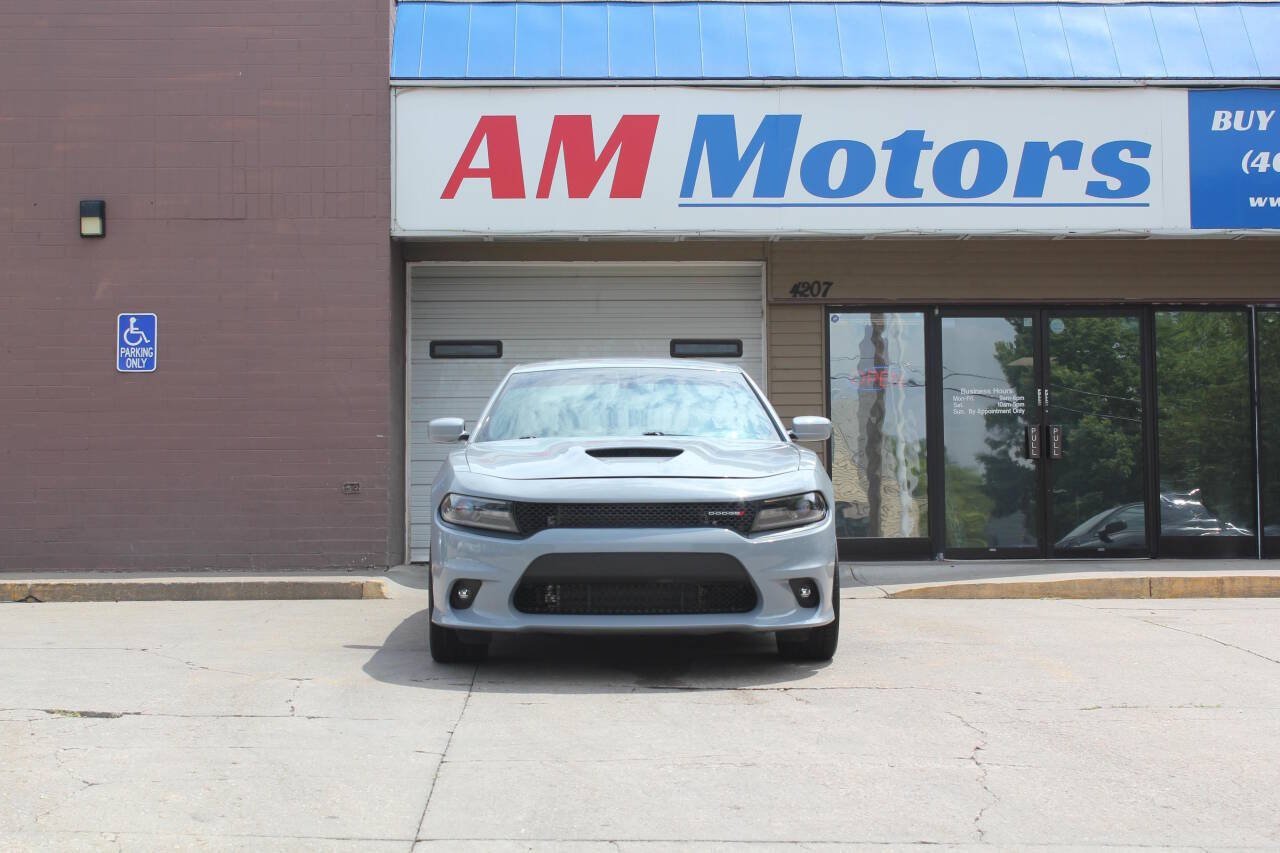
135 343
1033 442
1055 441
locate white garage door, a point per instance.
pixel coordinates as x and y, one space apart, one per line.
546 311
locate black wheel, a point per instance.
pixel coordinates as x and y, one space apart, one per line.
447 645
815 644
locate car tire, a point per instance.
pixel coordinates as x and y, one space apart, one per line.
447 645
814 644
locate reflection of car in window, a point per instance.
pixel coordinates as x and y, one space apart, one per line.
1124 526
1115 528
1184 514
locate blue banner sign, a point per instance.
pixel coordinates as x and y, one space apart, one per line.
136 343
1235 158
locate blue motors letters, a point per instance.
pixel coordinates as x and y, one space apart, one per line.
1115 170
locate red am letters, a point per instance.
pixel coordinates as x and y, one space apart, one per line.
502 142
572 139
632 142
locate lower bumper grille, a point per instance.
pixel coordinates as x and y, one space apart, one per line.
653 598
635 584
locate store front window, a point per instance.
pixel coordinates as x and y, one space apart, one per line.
877 386
1205 428
1269 426
1055 431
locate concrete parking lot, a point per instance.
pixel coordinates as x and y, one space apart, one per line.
325 725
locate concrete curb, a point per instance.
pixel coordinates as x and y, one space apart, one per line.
1212 586
227 589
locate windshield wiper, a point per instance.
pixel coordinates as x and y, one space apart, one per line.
660 432
523 437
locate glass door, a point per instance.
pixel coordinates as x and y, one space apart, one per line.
1094 454
1043 428
991 438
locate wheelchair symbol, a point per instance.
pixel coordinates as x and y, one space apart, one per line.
133 336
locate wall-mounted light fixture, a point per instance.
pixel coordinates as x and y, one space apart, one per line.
93 218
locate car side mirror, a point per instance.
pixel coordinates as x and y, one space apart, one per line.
810 428
1112 529
446 430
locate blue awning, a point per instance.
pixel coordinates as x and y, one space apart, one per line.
835 41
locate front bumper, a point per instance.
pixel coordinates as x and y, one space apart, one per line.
771 561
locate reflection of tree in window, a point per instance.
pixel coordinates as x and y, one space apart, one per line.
1006 465
988 375
1205 420
1269 402
1095 394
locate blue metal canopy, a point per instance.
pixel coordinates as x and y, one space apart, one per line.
834 41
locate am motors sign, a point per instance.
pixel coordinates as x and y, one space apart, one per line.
773 161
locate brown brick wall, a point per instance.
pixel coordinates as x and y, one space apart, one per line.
243 151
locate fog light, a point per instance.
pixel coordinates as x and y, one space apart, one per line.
463 594
805 591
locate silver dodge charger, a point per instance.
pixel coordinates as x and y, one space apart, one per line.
644 495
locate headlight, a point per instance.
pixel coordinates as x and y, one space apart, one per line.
791 511
487 513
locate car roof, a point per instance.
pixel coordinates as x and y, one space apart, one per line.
665 363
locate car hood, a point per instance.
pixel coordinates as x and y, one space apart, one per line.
578 458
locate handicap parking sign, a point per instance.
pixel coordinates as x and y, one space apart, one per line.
135 343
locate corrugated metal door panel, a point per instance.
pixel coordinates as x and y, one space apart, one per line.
543 312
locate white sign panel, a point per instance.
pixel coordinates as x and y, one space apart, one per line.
774 161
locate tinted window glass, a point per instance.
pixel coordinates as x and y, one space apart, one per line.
606 402
878 424
1095 400
1269 394
1205 424
991 488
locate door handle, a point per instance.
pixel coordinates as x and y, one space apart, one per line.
1055 441
1034 450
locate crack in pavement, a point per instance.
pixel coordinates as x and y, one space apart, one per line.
435 777
115 715
85 785
143 649
238 835
1210 639
190 664
982 774
1183 707
1132 615
694 688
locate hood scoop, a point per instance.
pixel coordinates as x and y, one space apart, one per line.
635 452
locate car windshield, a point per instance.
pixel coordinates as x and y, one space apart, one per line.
608 402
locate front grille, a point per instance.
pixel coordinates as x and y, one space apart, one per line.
635 584
635 599
535 517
